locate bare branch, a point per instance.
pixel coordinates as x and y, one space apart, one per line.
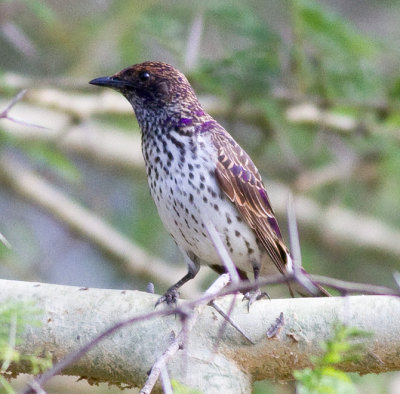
5 113
17 38
178 343
158 366
194 41
310 113
338 223
346 287
18 97
337 284
117 148
133 259
165 380
132 351
281 93
298 273
40 192
229 319
293 234
22 122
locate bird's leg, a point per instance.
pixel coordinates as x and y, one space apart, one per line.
255 294
172 294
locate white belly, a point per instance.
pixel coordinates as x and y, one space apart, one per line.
184 206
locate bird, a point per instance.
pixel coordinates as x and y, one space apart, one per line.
198 174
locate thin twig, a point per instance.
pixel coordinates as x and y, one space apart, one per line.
346 287
165 380
212 293
337 284
396 277
224 323
76 355
222 252
158 365
35 387
230 268
5 113
298 272
229 319
293 233
17 97
179 341
24 123
4 241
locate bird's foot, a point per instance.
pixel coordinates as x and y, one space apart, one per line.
170 297
255 295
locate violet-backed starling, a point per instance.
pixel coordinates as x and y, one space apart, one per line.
199 174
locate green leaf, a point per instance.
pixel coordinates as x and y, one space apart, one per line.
15 316
179 388
324 377
335 373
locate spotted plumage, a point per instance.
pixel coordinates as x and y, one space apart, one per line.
198 173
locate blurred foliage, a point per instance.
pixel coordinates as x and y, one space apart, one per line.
332 58
252 65
316 52
179 388
42 154
14 317
324 377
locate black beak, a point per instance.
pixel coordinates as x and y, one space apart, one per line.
109 82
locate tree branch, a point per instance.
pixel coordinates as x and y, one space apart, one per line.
133 259
123 150
72 317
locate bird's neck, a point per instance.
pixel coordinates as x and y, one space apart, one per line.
186 121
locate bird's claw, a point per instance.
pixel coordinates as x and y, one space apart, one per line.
255 295
170 298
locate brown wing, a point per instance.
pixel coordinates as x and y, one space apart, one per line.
242 183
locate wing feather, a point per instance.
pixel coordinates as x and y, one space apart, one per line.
241 182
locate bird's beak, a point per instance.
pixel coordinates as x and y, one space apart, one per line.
109 82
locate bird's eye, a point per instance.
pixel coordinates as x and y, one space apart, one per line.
144 76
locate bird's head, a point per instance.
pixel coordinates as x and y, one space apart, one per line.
152 87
